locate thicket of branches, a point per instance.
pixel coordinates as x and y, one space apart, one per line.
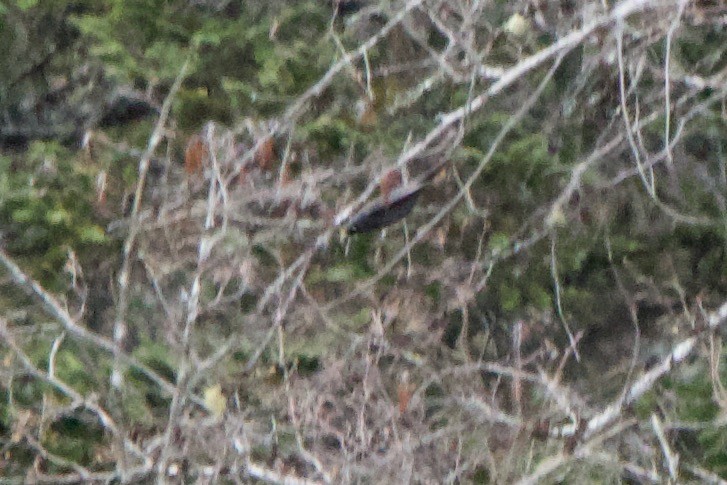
180 302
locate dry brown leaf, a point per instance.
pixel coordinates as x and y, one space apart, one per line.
404 392
195 155
265 156
391 180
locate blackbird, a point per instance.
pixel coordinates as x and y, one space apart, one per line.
392 206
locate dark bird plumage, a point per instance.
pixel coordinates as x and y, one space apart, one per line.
381 214
392 206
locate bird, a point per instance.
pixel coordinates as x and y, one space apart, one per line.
394 204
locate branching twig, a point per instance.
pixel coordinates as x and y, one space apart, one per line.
120 326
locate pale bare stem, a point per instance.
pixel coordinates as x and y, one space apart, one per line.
224 348
367 67
307 455
642 385
297 107
354 71
517 385
509 77
557 208
667 78
215 195
463 337
611 414
81 473
487 413
56 310
133 475
363 431
715 356
672 459
120 327
480 212
77 399
267 475
566 356
52 356
630 306
452 203
498 255
456 39
331 326
277 285
151 274
204 366
478 255
285 158
558 301
405 100
220 184
705 476
552 463
281 348
647 181
632 470
449 120
51 374
656 158
314 91
650 162
506 372
439 58
717 318
569 403
175 410
281 311
678 354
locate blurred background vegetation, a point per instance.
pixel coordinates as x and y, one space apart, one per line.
254 343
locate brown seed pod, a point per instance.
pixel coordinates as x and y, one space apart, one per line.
265 156
389 182
196 155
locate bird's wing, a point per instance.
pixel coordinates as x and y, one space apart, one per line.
380 214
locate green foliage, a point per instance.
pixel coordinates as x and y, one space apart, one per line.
158 358
340 273
74 438
331 134
256 58
46 208
142 399
248 62
26 4
696 405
